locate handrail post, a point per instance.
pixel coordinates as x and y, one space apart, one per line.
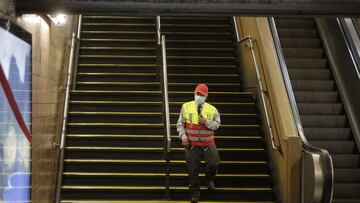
74 41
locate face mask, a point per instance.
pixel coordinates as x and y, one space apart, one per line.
199 100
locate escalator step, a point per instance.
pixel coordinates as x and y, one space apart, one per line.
300 43
308 53
347 175
346 160
319 109
329 121
346 190
295 23
327 133
312 85
297 33
316 97
336 147
306 63
309 74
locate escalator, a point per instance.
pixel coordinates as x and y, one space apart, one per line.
114 139
201 50
319 103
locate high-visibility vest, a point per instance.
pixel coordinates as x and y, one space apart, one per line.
198 134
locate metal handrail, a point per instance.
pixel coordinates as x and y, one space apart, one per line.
158 29
75 39
259 80
353 45
323 194
166 95
250 45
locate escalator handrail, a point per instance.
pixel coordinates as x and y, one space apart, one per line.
328 172
350 43
70 74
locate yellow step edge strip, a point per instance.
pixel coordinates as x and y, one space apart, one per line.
154 136
116 91
117 65
118 56
212 93
159 188
153 57
135 102
152 24
118 83
112 161
209 84
124 24
153 40
117 32
151 124
204 75
154 92
125 74
147 113
155 148
114 136
202 49
152 201
116 113
199 41
153 161
199 65
231 126
116 148
117 124
117 40
157 83
118 17
114 102
193 25
117 48
226 149
225 162
196 33
160 174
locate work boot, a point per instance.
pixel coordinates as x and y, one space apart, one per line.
211 185
195 197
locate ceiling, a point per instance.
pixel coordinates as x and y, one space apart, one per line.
200 7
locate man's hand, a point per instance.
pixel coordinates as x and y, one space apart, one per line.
202 120
185 142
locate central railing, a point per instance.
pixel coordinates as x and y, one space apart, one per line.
162 71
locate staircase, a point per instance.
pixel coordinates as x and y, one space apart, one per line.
319 103
114 140
201 50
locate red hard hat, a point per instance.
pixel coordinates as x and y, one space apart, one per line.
202 88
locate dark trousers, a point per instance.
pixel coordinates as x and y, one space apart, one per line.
193 158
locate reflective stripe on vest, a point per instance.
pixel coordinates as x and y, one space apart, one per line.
198 134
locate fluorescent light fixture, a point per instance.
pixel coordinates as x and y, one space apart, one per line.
58 19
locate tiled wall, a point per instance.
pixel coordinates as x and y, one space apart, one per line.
50 56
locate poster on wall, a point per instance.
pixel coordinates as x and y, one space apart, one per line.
15 118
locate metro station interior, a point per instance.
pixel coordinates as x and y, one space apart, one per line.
91 93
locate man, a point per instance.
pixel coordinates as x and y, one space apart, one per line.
196 125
